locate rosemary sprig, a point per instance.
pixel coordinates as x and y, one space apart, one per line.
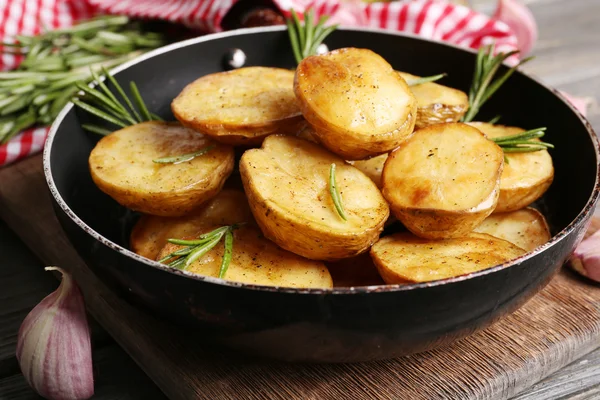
306 38
484 85
183 157
426 79
335 194
194 249
56 60
523 142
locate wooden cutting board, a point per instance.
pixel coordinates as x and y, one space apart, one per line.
559 325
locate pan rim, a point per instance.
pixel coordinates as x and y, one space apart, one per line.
587 209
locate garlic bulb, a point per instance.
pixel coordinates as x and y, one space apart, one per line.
54 348
520 20
586 258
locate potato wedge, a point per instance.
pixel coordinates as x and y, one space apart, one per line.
373 167
121 166
436 103
151 232
526 176
354 271
240 107
405 258
358 105
287 184
258 261
526 228
444 180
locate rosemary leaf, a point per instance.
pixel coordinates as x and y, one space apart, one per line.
335 194
109 106
227 253
99 113
495 119
137 98
202 250
426 79
119 89
183 157
306 38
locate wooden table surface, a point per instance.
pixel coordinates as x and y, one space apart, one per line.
568 57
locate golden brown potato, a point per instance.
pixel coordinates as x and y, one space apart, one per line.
287 184
354 271
373 167
436 103
526 176
150 233
256 260
405 258
240 107
526 228
358 105
122 166
443 181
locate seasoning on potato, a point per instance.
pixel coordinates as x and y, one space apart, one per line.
256 260
287 182
406 258
150 233
240 107
443 181
526 176
122 165
436 103
357 104
526 228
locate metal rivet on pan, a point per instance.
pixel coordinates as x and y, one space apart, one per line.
235 58
322 49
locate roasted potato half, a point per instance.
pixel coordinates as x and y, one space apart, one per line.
406 258
240 107
358 105
444 180
373 167
287 184
122 166
436 103
526 176
151 232
526 228
256 260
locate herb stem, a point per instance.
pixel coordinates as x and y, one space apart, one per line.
426 79
335 194
183 157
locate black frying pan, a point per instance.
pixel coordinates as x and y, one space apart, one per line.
343 324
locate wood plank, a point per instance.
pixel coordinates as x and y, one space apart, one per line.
559 325
116 375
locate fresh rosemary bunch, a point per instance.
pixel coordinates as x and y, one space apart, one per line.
335 193
56 60
523 142
306 38
194 249
484 85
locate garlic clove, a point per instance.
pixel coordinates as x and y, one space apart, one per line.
54 348
586 258
580 103
521 22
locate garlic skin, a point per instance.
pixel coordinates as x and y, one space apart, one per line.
54 348
586 258
521 22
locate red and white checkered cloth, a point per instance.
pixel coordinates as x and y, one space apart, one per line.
435 19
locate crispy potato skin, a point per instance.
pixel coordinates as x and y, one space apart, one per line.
256 260
526 228
437 103
121 166
373 168
358 105
150 233
443 181
405 258
526 176
286 182
240 107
